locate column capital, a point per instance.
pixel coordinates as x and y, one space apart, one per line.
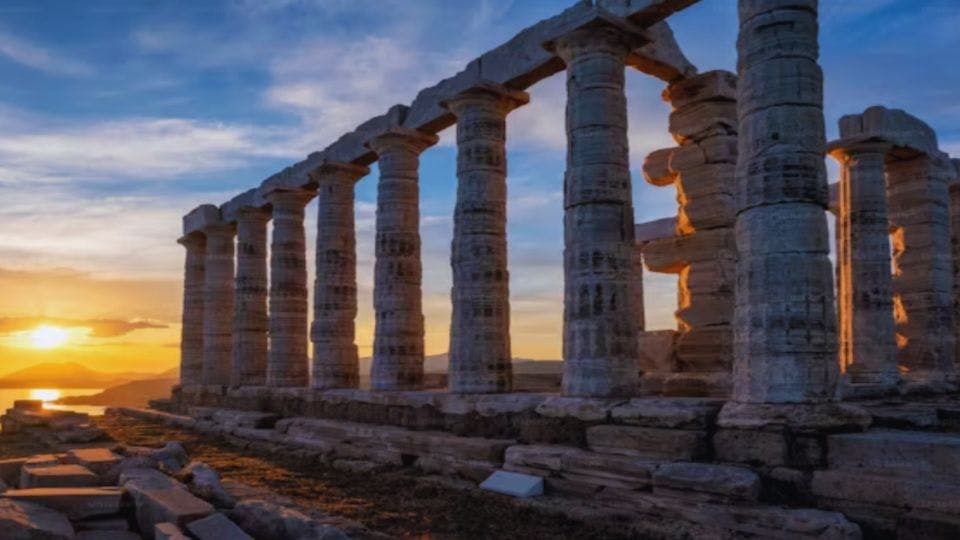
486 92
602 31
253 214
220 230
194 240
289 198
843 149
338 171
412 140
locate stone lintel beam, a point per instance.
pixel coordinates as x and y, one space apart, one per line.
655 230
662 57
645 12
893 125
199 218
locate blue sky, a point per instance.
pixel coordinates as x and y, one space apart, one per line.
116 117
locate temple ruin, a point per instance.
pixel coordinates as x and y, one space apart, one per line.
795 398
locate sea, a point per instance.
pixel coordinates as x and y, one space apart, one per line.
48 396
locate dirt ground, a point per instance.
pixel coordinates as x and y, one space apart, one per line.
392 502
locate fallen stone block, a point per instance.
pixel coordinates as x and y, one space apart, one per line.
168 531
918 525
75 502
656 443
103 524
216 527
514 484
97 460
58 476
25 521
158 499
171 458
263 519
887 491
108 535
10 470
204 482
717 483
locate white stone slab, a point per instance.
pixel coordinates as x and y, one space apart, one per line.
514 484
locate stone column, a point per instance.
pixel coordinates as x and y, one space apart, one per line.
287 362
397 302
250 312
865 295
785 331
955 250
335 363
191 333
600 333
218 305
919 209
480 359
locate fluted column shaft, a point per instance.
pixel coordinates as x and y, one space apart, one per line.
250 324
335 362
287 362
218 305
785 337
865 293
480 359
397 303
599 326
191 332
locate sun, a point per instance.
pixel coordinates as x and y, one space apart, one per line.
48 337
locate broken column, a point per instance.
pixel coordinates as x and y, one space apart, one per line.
864 288
600 333
191 332
480 359
218 304
397 302
287 363
250 323
335 362
701 251
785 341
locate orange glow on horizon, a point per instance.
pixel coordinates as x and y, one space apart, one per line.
48 337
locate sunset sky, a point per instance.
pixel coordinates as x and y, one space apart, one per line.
117 117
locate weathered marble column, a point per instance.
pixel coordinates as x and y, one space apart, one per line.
218 304
955 249
919 208
287 362
865 292
335 363
599 326
480 359
785 331
397 302
191 333
250 325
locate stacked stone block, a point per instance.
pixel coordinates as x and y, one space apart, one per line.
702 252
480 358
397 296
287 364
599 331
333 333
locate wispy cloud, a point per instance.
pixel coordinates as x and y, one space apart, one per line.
39 58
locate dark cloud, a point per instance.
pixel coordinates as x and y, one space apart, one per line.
100 328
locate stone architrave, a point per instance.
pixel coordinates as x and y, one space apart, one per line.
218 298
333 332
480 358
397 297
287 361
191 333
864 288
785 331
250 323
599 330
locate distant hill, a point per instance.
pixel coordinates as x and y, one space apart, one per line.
131 394
67 375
